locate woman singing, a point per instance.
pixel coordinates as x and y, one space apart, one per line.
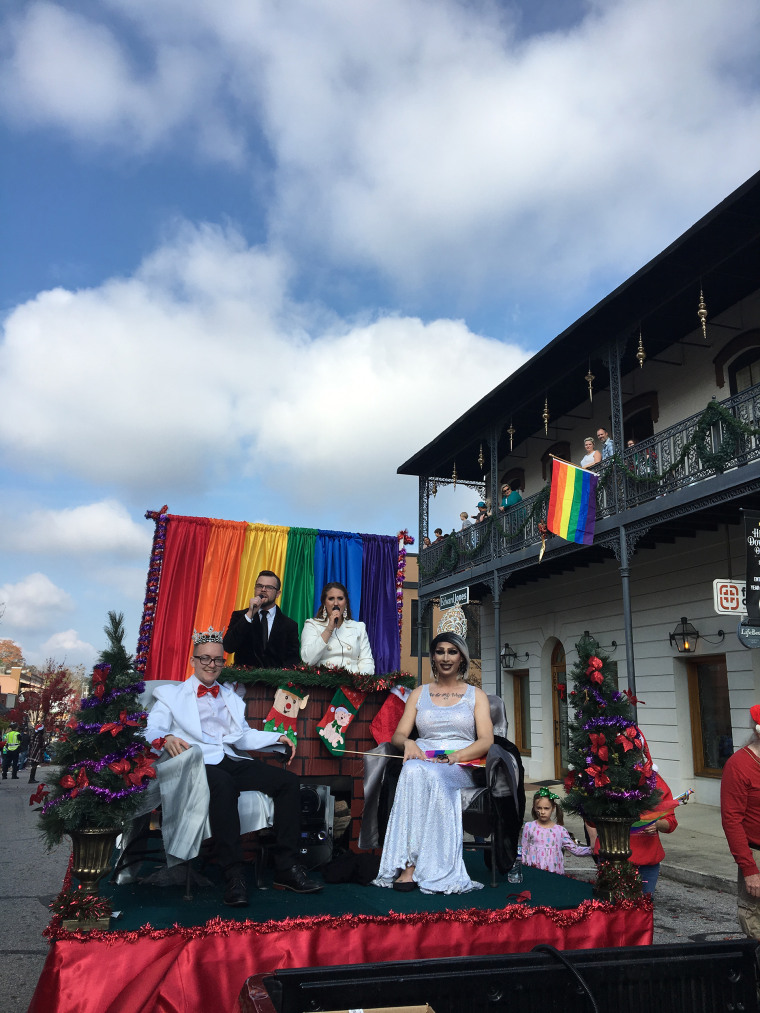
333 638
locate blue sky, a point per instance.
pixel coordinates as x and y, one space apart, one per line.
254 255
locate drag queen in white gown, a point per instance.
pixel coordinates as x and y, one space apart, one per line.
423 842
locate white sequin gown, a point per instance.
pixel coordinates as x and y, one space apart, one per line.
425 825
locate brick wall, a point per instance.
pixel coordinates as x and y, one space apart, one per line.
313 761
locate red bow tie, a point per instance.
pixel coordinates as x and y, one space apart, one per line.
213 690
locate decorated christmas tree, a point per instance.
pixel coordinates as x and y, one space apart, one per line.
105 766
611 774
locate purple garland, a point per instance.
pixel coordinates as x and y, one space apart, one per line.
97 765
619 722
633 793
104 793
83 729
95 701
152 584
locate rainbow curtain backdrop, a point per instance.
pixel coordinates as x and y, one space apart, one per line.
209 568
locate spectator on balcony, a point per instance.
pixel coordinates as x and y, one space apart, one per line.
482 513
606 441
510 494
467 522
644 463
438 535
592 456
426 543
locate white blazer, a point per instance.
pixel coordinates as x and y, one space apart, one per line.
175 712
348 646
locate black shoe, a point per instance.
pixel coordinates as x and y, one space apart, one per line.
407 886
14 777
32 780
236 892
295 879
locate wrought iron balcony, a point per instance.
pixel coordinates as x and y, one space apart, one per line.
656 467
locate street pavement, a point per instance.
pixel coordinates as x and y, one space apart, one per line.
30 878
695 899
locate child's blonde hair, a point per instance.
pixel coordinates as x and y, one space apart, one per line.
557 814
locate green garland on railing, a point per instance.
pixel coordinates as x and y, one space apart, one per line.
714 414
453 552
309 675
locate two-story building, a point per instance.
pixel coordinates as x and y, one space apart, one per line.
669 365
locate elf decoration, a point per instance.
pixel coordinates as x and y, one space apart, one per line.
343 709
283 717
105 766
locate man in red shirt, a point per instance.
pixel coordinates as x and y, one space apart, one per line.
740 813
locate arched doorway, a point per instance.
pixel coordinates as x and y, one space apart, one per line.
559 709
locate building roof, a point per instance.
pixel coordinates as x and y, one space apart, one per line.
720 254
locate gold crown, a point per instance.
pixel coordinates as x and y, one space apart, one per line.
211 636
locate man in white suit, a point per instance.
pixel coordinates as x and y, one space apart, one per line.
202 713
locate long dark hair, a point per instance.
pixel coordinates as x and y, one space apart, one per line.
323 596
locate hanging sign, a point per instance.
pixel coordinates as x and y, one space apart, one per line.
748 635
730 597
459 597
752 540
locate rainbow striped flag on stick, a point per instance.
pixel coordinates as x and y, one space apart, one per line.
572 502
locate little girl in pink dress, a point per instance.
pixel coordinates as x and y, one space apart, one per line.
545 839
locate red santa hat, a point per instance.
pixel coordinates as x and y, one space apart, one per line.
754 713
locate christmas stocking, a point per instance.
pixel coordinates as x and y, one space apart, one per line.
283 717
386 720
338 716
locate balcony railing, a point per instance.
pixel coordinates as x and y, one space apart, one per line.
656 463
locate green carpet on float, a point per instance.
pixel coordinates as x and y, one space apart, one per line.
162 907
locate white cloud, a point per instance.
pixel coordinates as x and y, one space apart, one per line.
200 366
33 603
93 529
68 647
68 70
426 140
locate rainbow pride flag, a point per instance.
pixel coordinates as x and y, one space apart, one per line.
572 503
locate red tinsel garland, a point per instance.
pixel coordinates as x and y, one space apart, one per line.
473 916
404 539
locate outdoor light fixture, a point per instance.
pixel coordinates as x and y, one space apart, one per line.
509 658
684 637
596 645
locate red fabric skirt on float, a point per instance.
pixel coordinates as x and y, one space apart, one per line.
182 970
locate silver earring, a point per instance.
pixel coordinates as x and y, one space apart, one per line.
345 613
323 613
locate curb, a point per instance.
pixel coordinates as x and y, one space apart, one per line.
689 877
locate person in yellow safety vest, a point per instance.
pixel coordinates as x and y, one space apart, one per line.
11 743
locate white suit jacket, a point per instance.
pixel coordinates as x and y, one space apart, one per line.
348 646
175 712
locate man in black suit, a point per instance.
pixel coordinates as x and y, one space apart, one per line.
262 636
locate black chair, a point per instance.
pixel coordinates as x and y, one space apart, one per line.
492 811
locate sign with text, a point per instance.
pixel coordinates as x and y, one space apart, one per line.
752 538
748 635
730 597
459 597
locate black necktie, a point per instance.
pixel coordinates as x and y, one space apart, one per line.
264 629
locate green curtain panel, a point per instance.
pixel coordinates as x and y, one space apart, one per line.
297 599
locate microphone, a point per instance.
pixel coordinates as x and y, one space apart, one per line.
336 608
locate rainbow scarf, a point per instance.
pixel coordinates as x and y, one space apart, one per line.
572 503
